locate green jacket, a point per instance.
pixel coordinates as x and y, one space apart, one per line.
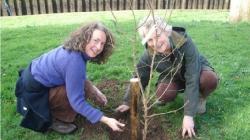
183 64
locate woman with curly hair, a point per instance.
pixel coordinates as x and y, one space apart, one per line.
53 89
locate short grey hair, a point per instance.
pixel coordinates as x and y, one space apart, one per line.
148 22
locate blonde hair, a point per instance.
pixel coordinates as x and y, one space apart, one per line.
147 23
81 37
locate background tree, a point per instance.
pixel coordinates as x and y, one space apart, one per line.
239 10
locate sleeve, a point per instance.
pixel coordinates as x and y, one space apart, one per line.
75 77
192 76
143 68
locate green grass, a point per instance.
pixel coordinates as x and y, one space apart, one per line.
225 45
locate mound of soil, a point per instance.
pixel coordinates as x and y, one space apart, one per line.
114 90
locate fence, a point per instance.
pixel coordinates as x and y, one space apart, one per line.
33 7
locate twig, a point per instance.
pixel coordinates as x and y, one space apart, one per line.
178 66
173 111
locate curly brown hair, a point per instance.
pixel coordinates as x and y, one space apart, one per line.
81 37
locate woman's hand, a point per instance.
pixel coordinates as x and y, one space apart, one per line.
122 108
93 93
100 97
112 123
188 127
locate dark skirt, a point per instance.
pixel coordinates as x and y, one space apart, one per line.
32 102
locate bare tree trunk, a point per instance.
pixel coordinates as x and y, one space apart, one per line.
146 120
239 10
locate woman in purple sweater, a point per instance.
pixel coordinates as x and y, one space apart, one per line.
53 89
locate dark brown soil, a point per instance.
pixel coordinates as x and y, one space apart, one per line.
114 90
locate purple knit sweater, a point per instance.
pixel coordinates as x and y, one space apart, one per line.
63 67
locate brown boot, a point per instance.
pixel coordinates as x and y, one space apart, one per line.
62 127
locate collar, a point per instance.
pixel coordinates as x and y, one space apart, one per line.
85 56
177 40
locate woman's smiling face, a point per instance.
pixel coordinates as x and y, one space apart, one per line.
159 41
96 43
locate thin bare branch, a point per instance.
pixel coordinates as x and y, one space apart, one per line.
178 67
170 72
173 111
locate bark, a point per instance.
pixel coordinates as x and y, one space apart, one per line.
239 10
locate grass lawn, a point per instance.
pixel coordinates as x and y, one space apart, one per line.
227 47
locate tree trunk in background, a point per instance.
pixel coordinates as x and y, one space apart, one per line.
239 10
